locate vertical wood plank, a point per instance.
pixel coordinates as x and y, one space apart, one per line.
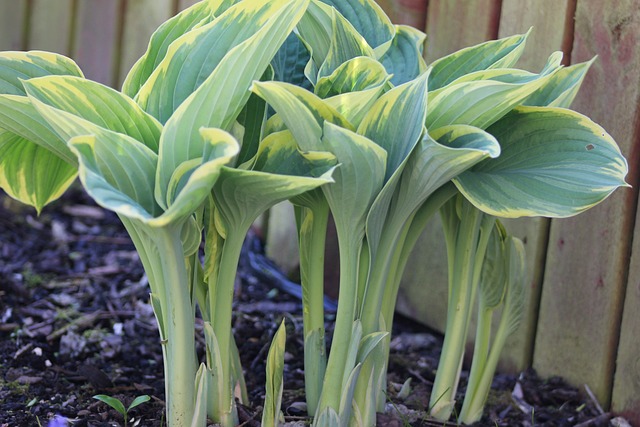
12 22
141 18
411 12
96 39
454 24
548 17
388 7
50 26
587 260
183 4
626 386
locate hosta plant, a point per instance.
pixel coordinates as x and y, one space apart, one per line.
238 105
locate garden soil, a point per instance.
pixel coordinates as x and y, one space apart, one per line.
75 321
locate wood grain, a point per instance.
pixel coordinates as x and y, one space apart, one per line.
454 24
13 18
141 19
588 255
50 28
96 39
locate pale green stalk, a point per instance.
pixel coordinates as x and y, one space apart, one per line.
313 231
221 305
469 242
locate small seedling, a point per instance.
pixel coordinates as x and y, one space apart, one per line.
119 406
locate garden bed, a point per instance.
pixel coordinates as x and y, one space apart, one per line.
75 321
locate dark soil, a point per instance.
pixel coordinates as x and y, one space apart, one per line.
75 321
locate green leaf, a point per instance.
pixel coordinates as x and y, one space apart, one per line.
137 401
327 418
502 53
395 121
75 106
356 74
302 112
279 172
200 412
113 402
369 20
346 44
561 88
554 163
290 61
358 180
30 173
18 66
118 172
404 58
316 30
189 19
354 106
274 385
477 103
192 58
18 115
493 278
369 343
222 96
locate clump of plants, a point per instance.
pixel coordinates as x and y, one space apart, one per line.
239 105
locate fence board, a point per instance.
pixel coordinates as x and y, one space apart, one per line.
183 4
454 24
12 22
50 27
626 386
96 39
141 19
411 12
587 257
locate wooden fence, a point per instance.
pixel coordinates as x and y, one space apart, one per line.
582 318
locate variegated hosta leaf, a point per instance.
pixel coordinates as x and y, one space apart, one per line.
302 112
561 88
118 172
17 66
274 384
369 20
358 180
191 58
279 171
493 277
290 61
439 157
554 163
222 96
502 53
346 44
395 121
315 30
18 116
404 58
75 106
514 302
477 103
354 75
252 119
193 17
30 173
354 106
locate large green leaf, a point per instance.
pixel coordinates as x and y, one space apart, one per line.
354 106
502 53
477 103
191 59
404 58
290 61
17 66
191 18
18 115
554 163
356 74
561 88
30 173
279 172
369 20
315 30
395 121
346 44
222 96
303 112
91 105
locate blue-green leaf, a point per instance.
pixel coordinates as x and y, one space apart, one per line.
17 66
404 58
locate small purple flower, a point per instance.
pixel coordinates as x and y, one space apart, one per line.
58 421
